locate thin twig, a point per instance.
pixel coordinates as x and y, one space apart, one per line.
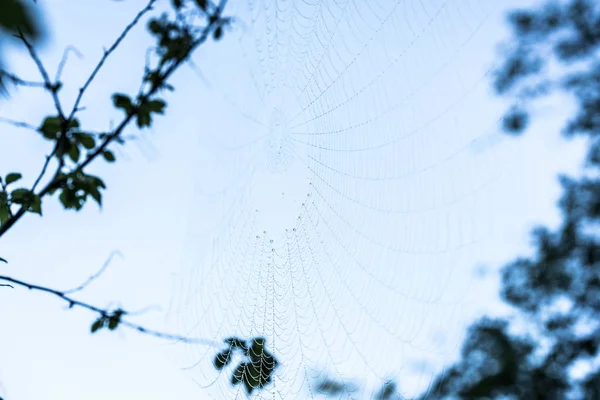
64 59
108 53
47 82
144 310
44 169
107 313
214 21
21 82
6 285
92 278
18 124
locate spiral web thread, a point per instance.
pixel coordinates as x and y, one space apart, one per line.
343 192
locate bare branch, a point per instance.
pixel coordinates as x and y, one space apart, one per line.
107 313
18 81
18 124
47 82
96 275
107 53
64 59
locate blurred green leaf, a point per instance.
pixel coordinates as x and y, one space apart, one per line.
218 33
36 205
16 16
157 106
4 208
74 152
252 378
98 324
238 374
143 119
108 156
222 359
50 127
122 101
13 177
21 196
113 323
203 4
85 139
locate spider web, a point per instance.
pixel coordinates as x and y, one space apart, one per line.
342 191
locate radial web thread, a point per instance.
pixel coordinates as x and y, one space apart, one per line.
343 192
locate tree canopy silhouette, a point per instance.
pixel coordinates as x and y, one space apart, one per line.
555 293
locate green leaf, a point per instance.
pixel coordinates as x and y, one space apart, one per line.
252 378
74 152
238 374
4 208
235 342
18 16
123 101
154 26
203 4
113 323
98 324
21 196
36 205
218 33
68 199
108 156
50 127
157 106
222 359
13 177
115 319
96 195
85 139
73 123
143 119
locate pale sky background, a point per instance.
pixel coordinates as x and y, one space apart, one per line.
366 145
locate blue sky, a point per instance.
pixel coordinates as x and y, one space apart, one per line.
383 137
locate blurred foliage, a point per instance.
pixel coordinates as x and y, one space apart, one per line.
556 292
256 368
17 16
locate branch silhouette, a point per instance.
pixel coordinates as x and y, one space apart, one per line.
109 315
215 22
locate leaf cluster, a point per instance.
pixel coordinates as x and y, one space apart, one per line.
256 369
110 321
74 148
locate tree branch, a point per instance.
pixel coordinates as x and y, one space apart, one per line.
18 124
214 21
18 81
92 278
107 53
47 82
107 314
63 61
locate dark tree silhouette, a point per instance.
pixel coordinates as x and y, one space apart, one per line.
17 16
556 292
